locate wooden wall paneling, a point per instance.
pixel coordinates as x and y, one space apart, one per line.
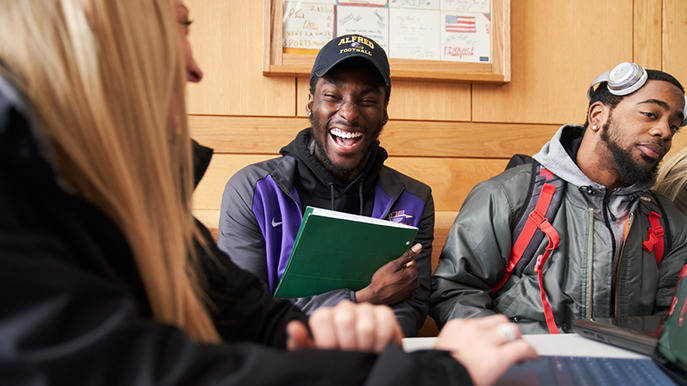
458 139
451 179
263 135
675 39
674 54
208 194
648 33
302 90
501 47
226 38
430 101
557 48
245 135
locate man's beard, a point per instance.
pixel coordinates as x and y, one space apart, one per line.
631 172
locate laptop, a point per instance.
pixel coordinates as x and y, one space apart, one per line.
635 333
667 366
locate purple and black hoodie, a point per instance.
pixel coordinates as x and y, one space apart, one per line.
263 205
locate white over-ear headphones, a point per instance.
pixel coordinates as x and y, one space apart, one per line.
626 78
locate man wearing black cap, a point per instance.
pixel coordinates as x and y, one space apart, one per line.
336 164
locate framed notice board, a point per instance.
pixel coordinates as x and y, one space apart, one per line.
427 40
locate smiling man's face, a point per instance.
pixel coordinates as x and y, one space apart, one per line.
348 108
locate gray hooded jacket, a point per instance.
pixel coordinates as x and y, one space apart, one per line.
592 273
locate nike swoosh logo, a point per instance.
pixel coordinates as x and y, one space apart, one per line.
275 224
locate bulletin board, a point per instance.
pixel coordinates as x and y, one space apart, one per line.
427 40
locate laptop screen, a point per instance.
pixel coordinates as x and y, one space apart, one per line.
671 349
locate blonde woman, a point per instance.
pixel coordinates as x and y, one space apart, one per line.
98 276
672 179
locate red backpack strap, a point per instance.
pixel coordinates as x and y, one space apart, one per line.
654 239
554 239
535 219
658 239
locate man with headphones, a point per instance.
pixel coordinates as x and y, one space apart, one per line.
576 233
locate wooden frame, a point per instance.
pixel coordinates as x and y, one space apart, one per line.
277 63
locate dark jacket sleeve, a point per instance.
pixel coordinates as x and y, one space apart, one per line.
62 325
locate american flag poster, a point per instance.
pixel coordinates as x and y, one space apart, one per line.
466 37
460 24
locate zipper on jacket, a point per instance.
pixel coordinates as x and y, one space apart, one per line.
590 265
607 222
620 259
607 198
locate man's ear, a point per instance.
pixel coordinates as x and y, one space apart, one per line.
597 115
386 117
308 105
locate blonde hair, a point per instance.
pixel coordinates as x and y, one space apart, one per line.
672 175
104 77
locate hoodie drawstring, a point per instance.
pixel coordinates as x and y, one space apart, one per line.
331 188
360 194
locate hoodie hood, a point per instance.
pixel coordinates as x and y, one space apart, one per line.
318 187
201 160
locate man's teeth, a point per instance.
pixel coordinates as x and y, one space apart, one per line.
345 134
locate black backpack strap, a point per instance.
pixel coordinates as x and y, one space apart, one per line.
519 159
516 223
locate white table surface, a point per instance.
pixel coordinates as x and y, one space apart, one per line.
545 344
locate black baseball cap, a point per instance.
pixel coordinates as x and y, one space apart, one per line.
351 46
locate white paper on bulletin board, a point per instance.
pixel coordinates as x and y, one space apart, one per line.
308 25
465 37
414 34
479 6
371 22
418 4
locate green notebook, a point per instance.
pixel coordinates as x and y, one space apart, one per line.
335 250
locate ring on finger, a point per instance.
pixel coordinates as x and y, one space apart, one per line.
506 331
